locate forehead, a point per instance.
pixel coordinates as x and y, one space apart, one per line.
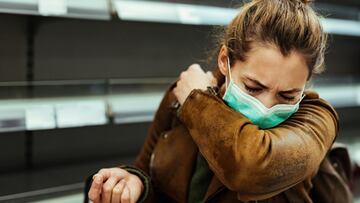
269 66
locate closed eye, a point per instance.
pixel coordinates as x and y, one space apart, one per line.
289 99
252 89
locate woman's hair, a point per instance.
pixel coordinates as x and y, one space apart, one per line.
290 25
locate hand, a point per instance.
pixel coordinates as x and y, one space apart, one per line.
115 185
193 78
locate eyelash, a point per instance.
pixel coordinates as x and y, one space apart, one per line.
252 90
256 90
290 99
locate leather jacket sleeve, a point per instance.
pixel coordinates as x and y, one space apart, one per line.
257 163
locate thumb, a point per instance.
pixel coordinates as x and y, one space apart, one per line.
95 189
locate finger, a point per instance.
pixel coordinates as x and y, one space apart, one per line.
109 172
195 66
95 189
117 191
182 75
107 189
135 189
211 77
178 83
125 197
175 91
105 173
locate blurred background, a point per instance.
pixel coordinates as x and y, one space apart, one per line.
80 81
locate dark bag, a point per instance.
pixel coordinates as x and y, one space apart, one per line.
333 181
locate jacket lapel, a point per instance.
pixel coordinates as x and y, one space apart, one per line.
214 187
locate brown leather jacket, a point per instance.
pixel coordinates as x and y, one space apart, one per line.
249 164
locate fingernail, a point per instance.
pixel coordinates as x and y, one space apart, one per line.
98 179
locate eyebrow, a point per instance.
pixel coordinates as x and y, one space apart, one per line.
294 90
256 82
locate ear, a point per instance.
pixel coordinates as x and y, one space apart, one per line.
222 60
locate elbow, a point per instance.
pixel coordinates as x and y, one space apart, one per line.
257 180
255 186
240 184
244 179
249 174
248 187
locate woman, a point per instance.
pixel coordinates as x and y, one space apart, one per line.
261 136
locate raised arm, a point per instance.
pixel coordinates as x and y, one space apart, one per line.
259 163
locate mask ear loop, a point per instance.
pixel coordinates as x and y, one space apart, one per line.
229 73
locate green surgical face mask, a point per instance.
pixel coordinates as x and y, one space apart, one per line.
253 109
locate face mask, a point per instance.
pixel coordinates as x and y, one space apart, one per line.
253 109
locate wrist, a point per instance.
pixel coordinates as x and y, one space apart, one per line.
141 184
144 179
